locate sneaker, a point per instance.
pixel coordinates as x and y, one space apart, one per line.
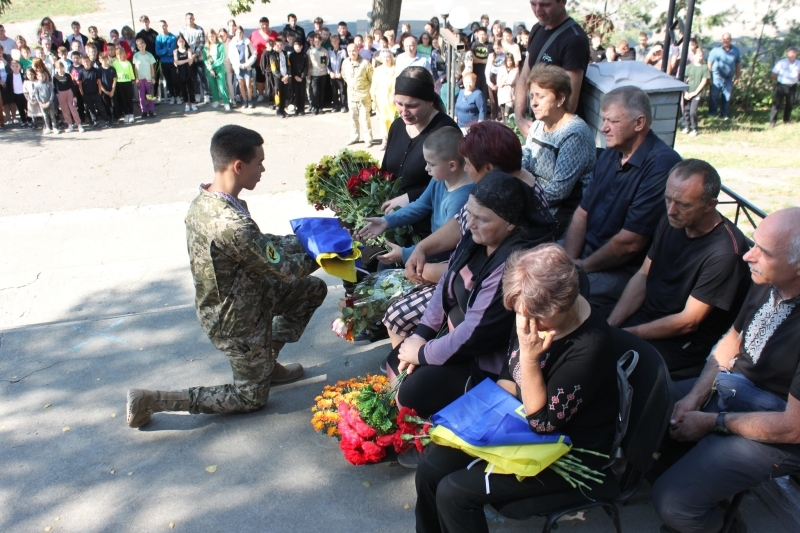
194 107
215 105
246 104
227 107
70 128
693 133
80 129
206 99
171 101
410 458
144 116
108 124
260 98
131 119
152 114
281 114
345 110
179 100
187 108
47 130
685 130
287 373
198 98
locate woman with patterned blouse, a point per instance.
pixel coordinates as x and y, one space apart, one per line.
561 366
560 149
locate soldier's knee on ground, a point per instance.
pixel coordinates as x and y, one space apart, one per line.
254 396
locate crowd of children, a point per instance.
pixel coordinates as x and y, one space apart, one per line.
68 82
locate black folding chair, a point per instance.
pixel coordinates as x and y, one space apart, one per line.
651 408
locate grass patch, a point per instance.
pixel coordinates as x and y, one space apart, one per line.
23 10
744 142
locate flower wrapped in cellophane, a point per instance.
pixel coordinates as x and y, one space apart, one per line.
371 298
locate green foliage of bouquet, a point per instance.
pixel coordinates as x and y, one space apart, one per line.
352 184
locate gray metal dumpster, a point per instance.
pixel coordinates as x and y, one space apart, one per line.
664 92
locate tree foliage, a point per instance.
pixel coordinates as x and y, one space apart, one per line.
4 5
237 7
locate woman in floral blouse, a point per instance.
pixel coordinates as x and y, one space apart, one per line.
561 366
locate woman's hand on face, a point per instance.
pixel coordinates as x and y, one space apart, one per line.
409 349
532 343
375 226
395 256
394 203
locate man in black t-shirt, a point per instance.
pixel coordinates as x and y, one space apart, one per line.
738 450
693 281
569 50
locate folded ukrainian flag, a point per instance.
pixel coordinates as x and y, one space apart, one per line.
327 242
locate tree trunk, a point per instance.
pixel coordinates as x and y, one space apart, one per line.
386 14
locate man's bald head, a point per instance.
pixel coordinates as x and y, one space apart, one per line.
786 224
775 257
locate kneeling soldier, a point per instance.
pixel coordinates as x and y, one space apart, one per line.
254 292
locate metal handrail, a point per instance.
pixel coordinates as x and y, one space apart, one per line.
742 207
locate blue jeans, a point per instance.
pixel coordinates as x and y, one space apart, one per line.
737 394
721 95
200 79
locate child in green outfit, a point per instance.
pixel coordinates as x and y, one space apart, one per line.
125 78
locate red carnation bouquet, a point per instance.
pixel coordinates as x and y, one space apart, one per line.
368 422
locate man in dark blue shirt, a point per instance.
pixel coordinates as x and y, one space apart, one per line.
612 228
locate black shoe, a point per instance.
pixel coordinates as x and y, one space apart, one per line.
410 458
368 336
281 114
151 114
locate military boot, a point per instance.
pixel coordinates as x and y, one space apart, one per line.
284 373
142 403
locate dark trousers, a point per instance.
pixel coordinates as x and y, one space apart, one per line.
81 106
22 107
318 91
169 71
280 93
110 105
690 113
494 107
783 97
687 495
430 388
299 96
339 94
185 89
124 96
200 80
450 498
157 77
94 106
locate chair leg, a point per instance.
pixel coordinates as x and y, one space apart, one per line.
730 514
550 523
613 513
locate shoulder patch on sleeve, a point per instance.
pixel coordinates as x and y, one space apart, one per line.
273 256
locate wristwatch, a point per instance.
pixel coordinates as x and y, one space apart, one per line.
719 426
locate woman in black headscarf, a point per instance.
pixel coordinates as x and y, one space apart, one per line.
421 113
464 333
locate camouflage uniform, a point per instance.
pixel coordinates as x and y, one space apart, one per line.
253 294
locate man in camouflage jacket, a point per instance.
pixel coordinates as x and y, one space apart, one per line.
254 292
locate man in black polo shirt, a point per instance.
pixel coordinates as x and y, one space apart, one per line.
620 210
569 50
692 283
759 437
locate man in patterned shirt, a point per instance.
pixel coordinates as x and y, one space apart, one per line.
749 431
254 292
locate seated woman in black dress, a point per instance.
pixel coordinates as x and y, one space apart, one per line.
421 113
566 380
463 335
